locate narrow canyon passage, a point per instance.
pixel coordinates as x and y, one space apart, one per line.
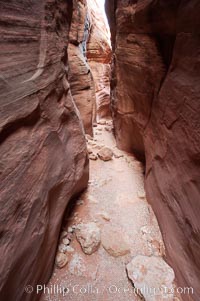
86 96
110 224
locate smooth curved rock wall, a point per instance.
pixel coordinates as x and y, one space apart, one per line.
155 106
43 159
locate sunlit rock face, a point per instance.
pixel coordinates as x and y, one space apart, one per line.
80 76
156 107
99 58
42 146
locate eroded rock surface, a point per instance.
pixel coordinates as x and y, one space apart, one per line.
105 154
61 260
115 242
80 76
89 237
155 101
43 150
128 229
153 277
99 58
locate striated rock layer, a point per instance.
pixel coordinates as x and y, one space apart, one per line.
80 76
43 152
156 107
99 58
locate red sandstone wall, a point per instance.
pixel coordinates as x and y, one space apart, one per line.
156 107
43 160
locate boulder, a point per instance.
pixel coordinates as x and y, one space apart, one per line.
114 242
105 154
89 237
153 277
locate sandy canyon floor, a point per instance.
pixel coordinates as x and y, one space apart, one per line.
117 225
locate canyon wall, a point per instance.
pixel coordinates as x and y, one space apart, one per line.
80 76
42 146
99 58
156 107
89 56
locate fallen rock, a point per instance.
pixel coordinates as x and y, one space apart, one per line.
108 128
117 155
62 248
109 122
98 146
63 234
102 122
114 242
61 260
92 143
69 249
69 236
88 137
89 149
70 230
105 154
80 202
93 157
89 237
154 240
66 241
152 276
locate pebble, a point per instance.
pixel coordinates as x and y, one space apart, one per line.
93 157
69 249
69 230
63 234
89 149
62 248
61 260
66 241
88 137
102 122
108 129
80 202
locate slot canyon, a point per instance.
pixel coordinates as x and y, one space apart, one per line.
100 150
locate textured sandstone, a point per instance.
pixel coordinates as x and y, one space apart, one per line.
155 102
61 260
93 157
101 74
99 57
80 76
105 154
89 237
115 242
43 150
153 277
